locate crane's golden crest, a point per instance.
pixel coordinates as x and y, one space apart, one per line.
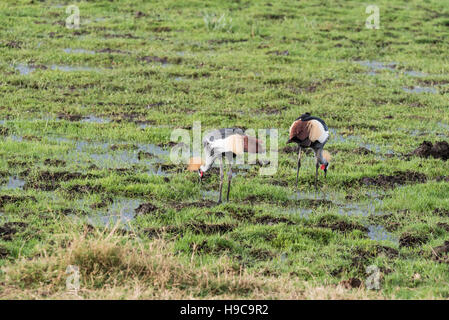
327 156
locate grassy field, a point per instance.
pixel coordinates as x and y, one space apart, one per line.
86 116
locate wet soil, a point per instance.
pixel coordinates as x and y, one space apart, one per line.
408 239
5 199
440 253
441 212
70 117
49 181
397 178
362 257
9 229
199 204
195 227
3 252
109 50
351 283
4 131
269 220
362 151
54 162
439 150
335 224
443 225
145 208
151 59
78 188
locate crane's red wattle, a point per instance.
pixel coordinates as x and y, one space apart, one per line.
323 167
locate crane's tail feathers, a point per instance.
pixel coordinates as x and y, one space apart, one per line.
195 163
327 156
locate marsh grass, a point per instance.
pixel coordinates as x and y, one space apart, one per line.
86 117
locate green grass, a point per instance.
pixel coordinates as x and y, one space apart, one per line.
261 66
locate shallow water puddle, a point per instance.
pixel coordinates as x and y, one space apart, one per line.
25 69
319 195
211 194
66 68
302 212
158 172
70 50
375 66
14 182
379 233
339 138
417 74
104 156
95 119
418 89
359 209
121 211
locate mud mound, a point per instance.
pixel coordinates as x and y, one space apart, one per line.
351 283
398 177
210 228
13 199
443 225
200 204
49 181
4 131
362 151
272 220
145 208
439 150
195 227
8 230
54 162
410 240
340 225
3 252
441 251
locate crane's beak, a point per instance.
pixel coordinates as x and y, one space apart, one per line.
289 141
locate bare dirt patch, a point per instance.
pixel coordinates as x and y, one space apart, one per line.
5 199
146 208
196 227
439 150
408 239
351 283
9 229
269 220
336 224
49 181
397 178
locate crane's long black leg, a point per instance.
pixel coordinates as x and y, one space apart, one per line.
316 175
229 181
221 180
299 166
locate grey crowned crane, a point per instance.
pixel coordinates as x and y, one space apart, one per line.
226 143
311 132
